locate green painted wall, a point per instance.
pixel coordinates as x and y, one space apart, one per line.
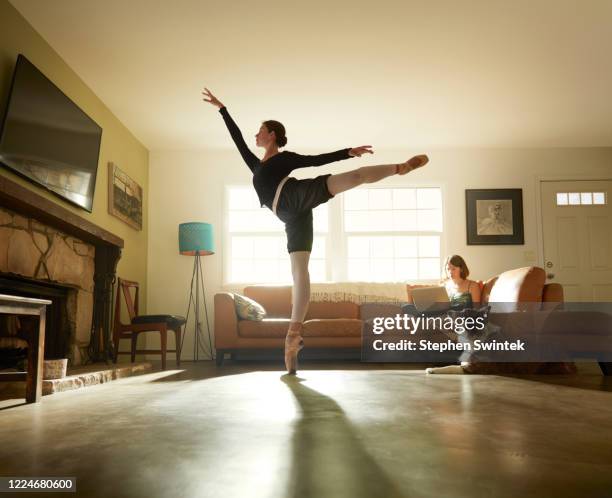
118 143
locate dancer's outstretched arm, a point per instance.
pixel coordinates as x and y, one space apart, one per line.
249 158
304 161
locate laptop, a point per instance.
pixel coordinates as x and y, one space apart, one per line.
431 299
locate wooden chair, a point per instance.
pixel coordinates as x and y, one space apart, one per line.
143 323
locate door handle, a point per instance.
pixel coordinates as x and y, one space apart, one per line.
550 275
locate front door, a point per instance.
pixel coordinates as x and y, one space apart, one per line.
577 233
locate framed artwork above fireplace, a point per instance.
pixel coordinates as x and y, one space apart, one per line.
124 197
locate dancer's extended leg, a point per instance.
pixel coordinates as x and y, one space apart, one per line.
370 174
300 300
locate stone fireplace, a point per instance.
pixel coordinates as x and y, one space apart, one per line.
49 252
33 256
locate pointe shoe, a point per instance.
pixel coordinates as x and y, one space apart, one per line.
412 164
293 344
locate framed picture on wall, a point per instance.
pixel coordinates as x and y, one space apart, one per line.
124 197
494 216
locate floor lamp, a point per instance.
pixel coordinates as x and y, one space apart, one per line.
196 239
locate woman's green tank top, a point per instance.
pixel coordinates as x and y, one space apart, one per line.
461 300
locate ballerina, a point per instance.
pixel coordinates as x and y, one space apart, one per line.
293 200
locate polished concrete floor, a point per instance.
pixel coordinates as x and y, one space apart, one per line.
336 430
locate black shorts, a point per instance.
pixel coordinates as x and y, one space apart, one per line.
297 200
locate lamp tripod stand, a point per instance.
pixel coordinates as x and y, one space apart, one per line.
197 279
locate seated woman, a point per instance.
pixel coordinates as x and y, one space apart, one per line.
464 293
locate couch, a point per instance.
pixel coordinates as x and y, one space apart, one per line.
327 325
336 326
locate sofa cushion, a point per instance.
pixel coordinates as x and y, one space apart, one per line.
277 328
368 311
248 309
268 328
332 327
323 309
276 299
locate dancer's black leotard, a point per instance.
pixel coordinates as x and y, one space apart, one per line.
268 174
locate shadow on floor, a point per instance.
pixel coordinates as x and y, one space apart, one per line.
328 458
589 377
192 371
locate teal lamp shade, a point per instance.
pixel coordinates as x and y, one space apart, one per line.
196 238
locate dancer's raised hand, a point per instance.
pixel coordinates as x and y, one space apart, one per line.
358 151
412 164
209 97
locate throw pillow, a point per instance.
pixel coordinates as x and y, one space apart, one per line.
247 309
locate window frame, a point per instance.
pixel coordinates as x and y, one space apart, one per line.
227 237
336 262
344 234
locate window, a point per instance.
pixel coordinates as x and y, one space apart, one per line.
393 234
258 245
581 198
366 234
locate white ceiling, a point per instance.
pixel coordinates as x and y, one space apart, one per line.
339 73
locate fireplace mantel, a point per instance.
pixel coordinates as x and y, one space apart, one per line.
29 203
108 248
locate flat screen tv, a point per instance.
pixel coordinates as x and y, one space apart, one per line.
48 139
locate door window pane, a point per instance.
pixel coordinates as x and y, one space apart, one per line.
599 198
562 199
